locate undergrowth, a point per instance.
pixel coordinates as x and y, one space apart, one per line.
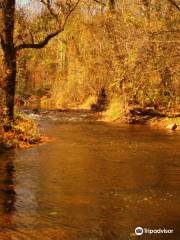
20 133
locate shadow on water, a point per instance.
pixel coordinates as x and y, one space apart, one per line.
7 189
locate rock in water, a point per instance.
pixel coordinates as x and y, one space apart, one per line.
172 126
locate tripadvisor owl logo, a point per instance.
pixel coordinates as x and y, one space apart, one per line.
139 231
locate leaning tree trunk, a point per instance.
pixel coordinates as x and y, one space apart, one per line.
9 53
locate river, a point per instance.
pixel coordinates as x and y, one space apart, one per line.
94 181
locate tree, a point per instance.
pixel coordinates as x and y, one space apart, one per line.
59 11
132 53
111 5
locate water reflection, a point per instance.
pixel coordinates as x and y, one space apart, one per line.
95 182
7 189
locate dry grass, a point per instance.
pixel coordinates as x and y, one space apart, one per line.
115 111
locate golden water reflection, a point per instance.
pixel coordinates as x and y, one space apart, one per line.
95 182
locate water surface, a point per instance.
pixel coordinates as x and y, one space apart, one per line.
95 181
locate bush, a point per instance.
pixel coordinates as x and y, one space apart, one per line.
115 110
21 133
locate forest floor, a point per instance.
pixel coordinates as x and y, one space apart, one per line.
22 133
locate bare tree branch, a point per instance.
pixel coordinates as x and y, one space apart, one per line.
48 5
46 40
41 44
70 11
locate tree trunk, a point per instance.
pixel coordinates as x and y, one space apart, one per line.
10 80
9 53
111 5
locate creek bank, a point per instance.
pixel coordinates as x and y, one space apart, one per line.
140 116
149 116
113 111
22 133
